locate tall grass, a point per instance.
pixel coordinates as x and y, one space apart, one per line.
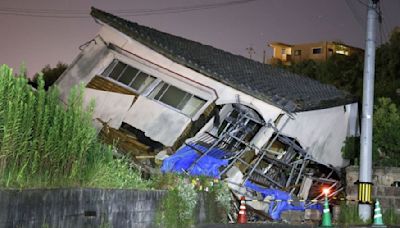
46 143
349 215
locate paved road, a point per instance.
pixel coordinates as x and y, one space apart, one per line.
253 225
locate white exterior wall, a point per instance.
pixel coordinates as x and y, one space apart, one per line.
159 123
225 93
322 132
96 57
110 107
84 67
174 72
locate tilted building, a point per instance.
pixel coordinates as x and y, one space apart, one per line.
154 90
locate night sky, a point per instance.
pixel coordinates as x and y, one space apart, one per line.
52 30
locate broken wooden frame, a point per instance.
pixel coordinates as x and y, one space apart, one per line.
286 169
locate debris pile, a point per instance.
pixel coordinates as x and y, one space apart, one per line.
279 176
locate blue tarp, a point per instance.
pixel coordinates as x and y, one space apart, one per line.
207 166
277 207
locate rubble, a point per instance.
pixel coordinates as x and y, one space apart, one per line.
280 170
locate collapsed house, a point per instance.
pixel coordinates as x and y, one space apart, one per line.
256 126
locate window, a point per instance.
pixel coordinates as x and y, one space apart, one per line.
128 75
342 52
317 51
297 52
283 51
170 95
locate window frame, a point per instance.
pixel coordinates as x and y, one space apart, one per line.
161 83
159 78
316 48
111 66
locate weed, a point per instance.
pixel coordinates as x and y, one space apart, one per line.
44 143
349 215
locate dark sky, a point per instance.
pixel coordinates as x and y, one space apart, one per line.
38 41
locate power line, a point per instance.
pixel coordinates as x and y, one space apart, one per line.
355 13
61 13
363 3
385 29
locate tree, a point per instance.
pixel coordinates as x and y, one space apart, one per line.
346 72
387 62
50 75
386 130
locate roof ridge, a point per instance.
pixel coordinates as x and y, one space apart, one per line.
246 75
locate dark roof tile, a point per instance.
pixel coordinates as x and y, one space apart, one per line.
270 84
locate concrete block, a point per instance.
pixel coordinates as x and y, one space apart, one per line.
292 216
313 215
392 191
386 202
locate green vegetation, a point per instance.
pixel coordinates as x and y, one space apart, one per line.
346 72
178 207
49 75
46 144
351 150
386 130
349 215
390 217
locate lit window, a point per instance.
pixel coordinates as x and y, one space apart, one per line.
297 52
185 102
342 52
317 51
128 75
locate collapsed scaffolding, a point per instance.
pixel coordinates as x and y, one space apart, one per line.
280 170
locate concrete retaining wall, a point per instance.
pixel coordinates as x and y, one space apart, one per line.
83 208
382 178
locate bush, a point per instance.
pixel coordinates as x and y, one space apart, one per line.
390 217
179 206
386 134
386 143
349 215
351 149
46 144
117 174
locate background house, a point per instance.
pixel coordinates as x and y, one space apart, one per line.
320 51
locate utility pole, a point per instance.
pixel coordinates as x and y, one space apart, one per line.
365 178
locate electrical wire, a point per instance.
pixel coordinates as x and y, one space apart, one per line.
363 3
64 13
355 13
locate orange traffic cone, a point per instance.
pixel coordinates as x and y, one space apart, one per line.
242 217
